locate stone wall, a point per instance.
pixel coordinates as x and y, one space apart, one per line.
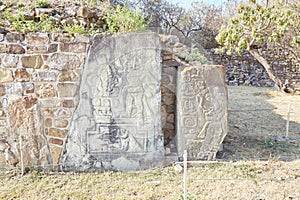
245 70
39 81
115 111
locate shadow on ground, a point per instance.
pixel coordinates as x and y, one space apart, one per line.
257 122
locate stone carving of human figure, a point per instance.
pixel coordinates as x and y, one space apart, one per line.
124 136
138 100
205 102
104 76
215 125
119 139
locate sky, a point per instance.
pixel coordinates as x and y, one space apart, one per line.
187 3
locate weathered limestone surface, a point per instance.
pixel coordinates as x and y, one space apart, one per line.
26 128
201 111
117 123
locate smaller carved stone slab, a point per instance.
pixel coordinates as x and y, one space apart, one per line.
201 111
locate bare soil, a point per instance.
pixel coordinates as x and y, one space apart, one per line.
257 130
257 120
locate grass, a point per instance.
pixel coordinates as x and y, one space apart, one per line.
205 181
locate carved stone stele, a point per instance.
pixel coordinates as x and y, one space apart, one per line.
201 111
117 123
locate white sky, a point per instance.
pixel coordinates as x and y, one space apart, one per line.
187 3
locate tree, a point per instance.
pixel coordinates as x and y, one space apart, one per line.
258 26
161 13
204 23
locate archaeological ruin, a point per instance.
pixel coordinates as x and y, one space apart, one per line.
118 102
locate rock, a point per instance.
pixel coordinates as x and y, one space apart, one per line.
170 71
68 104
61 123
35 62
12 49
170 118
62 112
10 61
55 154
69 22
67 76
2 7
82 38
123 164
165 79
10 157
37 49
64 62
71 12
43 11
169 99
3 30
44 76
62 37
45 90
178 168
28 15
15 37
6 75
56 141
14 88
167 151
73 47
48 122
67 89
38 38
29 88
50 103
2 92
54 132
21 75
85 13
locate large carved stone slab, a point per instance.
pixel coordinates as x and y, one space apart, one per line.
201 111
117 123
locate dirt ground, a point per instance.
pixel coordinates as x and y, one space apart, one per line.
257 130
257 120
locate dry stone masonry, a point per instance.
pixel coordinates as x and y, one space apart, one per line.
105 102
39 80
245 70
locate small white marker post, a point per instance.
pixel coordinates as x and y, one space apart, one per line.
185 175
288 121
21 155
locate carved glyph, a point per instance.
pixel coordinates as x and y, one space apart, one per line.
202 110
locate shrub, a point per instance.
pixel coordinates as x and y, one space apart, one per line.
196 56
122 19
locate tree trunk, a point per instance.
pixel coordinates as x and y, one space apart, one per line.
267 67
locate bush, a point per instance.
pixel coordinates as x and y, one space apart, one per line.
122 19
196 56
